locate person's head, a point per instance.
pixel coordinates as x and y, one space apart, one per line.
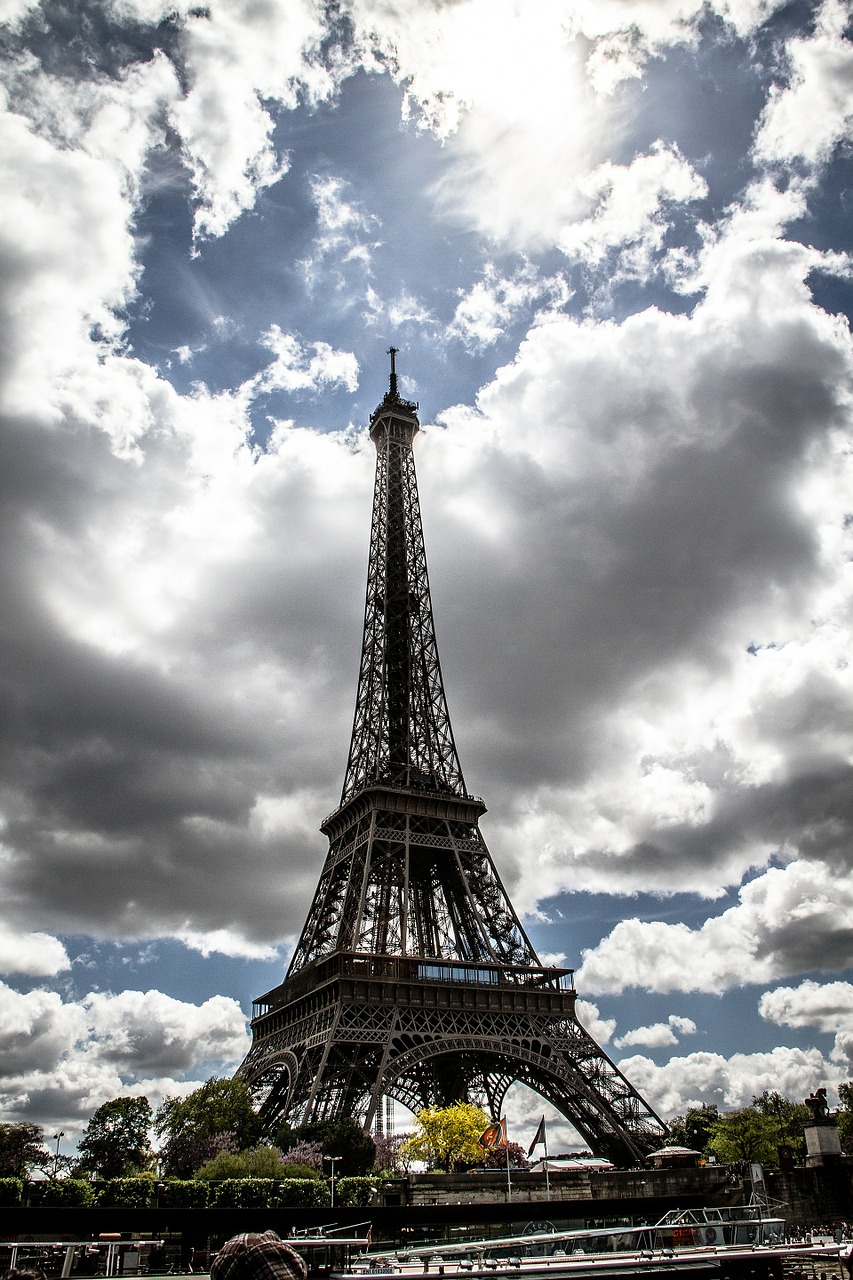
23 1273
257 1256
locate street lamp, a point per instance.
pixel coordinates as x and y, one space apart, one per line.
58 1136
333 1160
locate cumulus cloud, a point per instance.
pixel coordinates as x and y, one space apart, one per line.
728 1083
295 370
828 1007
601 1029
62 1059
482 314
658 1034
632 208
807 117
236 57
666 733
39 955
786 920
639 534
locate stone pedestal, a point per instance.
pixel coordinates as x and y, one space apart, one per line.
823 1145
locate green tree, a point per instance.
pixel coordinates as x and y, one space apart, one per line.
218 1115
695 1128
845 1116
345 1139
790 1119
116 1141
496 1157
444 1135
745 1135
21 1149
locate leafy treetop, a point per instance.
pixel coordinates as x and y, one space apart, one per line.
116 1141
21 1149
217 1116
345 1139
444 1136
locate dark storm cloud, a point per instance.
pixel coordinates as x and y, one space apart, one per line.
129 784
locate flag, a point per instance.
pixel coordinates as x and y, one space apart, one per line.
540 1137
494 1136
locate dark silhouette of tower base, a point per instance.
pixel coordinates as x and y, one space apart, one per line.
413 977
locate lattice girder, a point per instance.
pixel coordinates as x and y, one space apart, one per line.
417 883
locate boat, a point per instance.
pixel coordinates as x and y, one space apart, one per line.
732 1243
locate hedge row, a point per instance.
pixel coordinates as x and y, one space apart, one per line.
175 1193
11 1191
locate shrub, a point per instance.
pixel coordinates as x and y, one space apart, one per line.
297 1170
180 1193
259 1162
305 1192
354 1191
11 1191
244 1193
66 1191
129 1193
304 1155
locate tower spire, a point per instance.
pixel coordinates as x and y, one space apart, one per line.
401 729
392 352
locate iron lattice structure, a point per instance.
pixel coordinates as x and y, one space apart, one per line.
413 977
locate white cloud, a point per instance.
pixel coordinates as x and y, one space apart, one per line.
147 1031
63 1059
343 239
784 920
295 370
537 110
639 537
828 1007
658 1034
237 55
809 116
729 1083
337 217
12 11
677 674
483 313
37 954
67 227
633 203
601 1029
404 309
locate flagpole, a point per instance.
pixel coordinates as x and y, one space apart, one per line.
506 1153
547 1179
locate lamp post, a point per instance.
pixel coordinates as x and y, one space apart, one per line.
333 1160
58 1136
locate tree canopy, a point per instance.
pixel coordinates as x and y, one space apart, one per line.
21 1149
845 1116
116 1141
215 1117
443 1136
345 1139
695 1128
256 1162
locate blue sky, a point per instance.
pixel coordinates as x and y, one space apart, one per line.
611 242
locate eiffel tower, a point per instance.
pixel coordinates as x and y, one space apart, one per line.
413 977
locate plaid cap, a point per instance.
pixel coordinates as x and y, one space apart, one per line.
257 1256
